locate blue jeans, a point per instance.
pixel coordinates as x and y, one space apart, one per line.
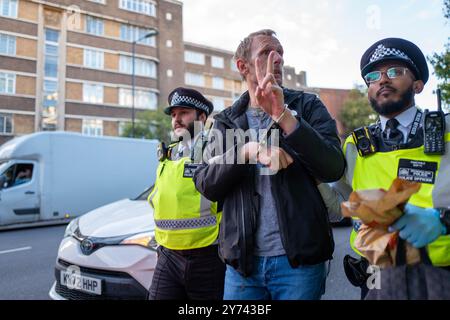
273 278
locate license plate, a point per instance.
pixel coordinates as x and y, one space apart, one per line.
81 283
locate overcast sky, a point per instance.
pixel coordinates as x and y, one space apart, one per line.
326 38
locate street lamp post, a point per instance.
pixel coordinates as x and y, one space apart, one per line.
152 33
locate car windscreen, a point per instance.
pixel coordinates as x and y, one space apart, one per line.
144 195
3 165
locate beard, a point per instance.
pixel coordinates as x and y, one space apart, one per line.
189 129
392 107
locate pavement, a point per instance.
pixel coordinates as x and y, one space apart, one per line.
338 287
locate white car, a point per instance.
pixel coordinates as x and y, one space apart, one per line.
108 253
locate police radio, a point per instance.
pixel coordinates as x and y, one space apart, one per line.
163 152
364 141
434 129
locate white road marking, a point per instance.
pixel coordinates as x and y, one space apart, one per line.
15 250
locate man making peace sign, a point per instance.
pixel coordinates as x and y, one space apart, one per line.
274 235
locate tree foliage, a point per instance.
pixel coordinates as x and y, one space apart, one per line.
356 111
441 63
150 125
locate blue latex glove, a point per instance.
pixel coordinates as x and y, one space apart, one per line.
419 226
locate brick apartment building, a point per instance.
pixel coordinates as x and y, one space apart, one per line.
67 65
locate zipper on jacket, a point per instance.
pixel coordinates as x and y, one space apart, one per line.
244 233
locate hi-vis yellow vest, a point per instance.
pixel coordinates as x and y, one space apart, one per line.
380 169
184 218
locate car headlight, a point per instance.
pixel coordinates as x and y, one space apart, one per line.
146 240
71 228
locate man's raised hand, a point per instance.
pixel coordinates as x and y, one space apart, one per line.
269 95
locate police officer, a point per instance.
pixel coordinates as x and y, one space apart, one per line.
395 70
187 223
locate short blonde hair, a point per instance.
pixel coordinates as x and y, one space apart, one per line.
244 48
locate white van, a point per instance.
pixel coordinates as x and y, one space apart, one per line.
50 177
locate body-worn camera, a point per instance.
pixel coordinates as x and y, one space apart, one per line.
364 141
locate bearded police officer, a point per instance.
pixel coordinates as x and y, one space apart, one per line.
395 70
187 223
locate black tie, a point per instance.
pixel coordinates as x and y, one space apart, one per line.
395 136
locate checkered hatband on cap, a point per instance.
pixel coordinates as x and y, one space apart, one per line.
382 52
178 99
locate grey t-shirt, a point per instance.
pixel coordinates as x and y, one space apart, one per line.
267 240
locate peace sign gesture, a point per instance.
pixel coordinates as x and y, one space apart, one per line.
269 95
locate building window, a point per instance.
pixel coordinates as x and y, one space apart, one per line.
7 44
132 33
50 104
93 93
289 77
143 67
7 83
51 53
143 99
219 104
169 73
218 83
92 127
51 35
194 79
98 1
50 95
94 26
50 87
168 16
139 6
8 8
194 57
51 61
93 59
5 124
169 43
217 62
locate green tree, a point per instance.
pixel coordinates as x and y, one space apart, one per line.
356 111
150 125
441 63
447 9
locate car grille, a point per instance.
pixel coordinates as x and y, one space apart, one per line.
131 291
96 272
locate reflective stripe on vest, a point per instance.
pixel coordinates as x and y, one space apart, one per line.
186 223
184 218
380 169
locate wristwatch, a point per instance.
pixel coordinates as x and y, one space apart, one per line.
444 215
